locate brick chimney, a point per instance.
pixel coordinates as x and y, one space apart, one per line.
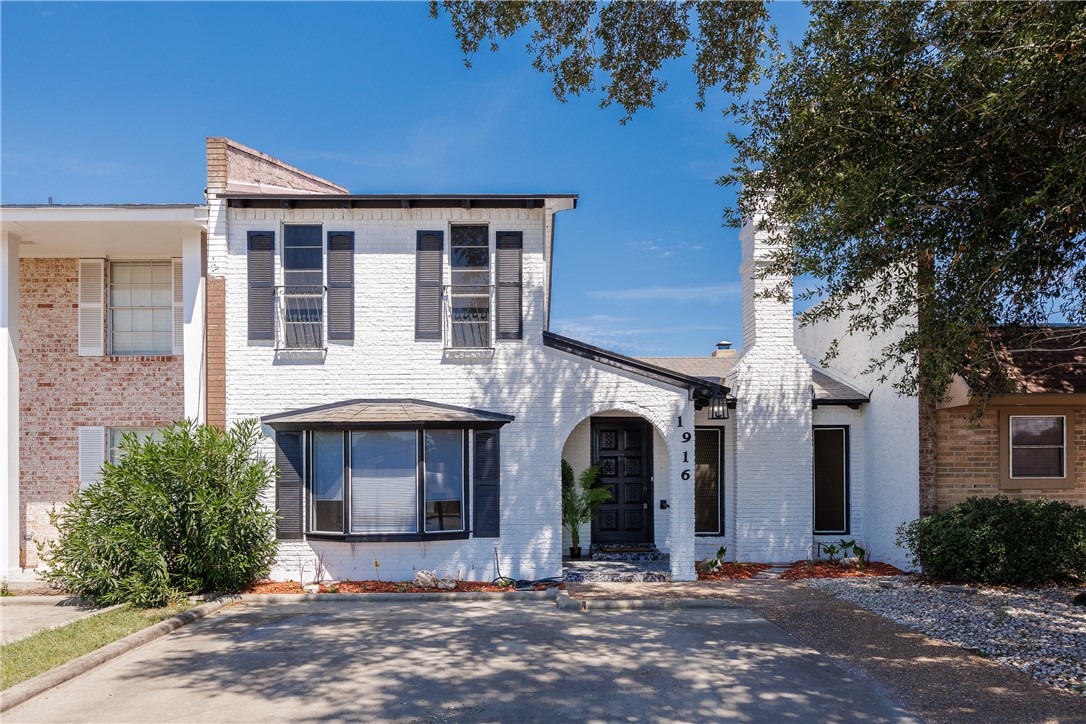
774 442
232 167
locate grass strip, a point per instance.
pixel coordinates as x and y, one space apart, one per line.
45 650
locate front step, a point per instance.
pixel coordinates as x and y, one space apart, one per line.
625 552
611 571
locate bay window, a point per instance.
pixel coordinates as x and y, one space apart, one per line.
387 483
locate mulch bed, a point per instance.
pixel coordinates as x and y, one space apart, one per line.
824 569
733 572
373 587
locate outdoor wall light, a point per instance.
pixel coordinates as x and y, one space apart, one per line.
718 406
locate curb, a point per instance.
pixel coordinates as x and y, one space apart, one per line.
639 604
21 692
381 597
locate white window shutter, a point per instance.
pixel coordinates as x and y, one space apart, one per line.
92 453
178 307
92 282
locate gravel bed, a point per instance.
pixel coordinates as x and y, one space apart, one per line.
1036 630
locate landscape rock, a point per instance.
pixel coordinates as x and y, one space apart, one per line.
1037 630
426 579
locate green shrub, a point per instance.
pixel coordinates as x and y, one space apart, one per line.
999 540
175 516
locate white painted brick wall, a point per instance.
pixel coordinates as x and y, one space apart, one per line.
549 392
890 456
773 501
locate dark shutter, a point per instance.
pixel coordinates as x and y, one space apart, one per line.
261 285
510 245
288 485
429 246
487 487
341 285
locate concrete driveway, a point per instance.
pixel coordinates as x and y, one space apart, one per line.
484 661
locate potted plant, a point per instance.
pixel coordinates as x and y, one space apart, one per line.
580 502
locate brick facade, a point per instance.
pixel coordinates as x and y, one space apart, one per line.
61 391
216 351
968 459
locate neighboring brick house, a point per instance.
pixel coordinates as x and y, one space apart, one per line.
103 328
1026 445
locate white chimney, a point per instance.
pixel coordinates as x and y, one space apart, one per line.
774 442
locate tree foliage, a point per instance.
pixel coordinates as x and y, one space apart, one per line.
928 160
623 44
174 516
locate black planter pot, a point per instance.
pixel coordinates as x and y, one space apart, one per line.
574 552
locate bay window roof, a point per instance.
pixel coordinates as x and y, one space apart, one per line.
386 414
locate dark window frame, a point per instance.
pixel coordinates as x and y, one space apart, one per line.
421 534
721 528
848 481
491 254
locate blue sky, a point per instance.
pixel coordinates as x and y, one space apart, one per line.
111 102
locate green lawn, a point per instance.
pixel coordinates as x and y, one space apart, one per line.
48 649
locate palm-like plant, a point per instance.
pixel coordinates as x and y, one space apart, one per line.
580 502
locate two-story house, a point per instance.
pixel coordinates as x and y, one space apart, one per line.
397 350
102 328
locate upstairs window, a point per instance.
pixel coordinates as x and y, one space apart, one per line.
469 291
141 307
301 297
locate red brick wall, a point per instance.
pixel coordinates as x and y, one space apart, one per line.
216 351
967 458
61 391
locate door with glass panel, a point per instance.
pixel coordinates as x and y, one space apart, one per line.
469 293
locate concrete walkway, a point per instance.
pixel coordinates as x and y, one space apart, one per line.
21 616
478 661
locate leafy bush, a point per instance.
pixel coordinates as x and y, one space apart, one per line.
999 540
175 516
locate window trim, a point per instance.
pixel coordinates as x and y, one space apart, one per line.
722 528
847 497
279 285
1006 481
107 305
447 260
467 479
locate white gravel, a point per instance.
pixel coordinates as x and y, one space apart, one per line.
1036 630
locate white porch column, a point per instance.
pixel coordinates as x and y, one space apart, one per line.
681 548
9 405
192 268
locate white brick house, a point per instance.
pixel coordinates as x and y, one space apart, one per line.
397 349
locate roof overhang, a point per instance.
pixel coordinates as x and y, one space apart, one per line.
701 390
114 230
405 414
398 201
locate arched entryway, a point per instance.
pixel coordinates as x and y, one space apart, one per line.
634 468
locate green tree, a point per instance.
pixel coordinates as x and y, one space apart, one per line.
927 159
174 516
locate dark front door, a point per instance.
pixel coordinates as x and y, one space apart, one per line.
624 448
